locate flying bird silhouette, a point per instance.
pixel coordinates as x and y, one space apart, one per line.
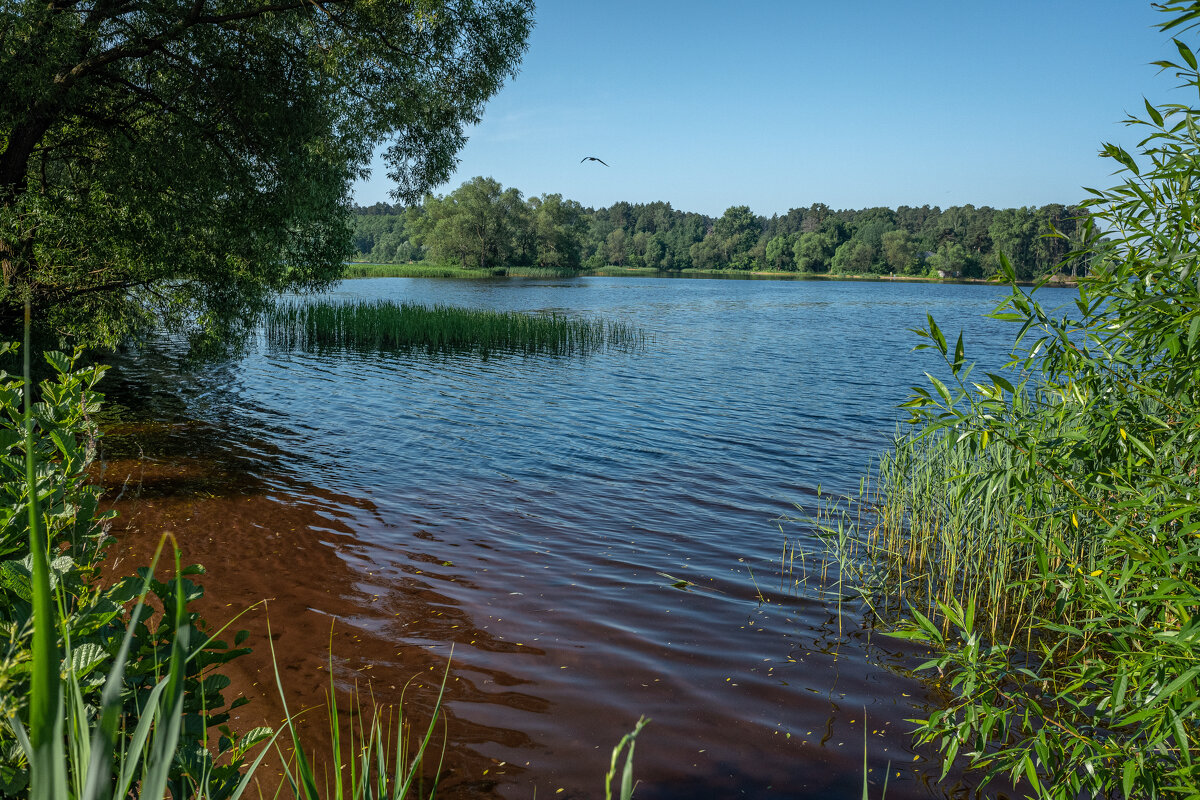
591 158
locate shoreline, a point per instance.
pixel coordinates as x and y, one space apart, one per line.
420 270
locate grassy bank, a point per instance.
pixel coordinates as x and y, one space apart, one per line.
387 325
426 270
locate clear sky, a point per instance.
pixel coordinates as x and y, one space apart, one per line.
783 103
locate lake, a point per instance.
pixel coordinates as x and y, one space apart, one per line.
595 538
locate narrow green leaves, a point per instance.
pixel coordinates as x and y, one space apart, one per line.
1186 54
48 780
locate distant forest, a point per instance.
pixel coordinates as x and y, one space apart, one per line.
483 225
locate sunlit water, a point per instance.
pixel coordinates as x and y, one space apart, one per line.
545 509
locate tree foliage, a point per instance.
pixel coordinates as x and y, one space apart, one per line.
906 241
182 161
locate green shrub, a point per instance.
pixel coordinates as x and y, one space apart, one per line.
1066 495
60 626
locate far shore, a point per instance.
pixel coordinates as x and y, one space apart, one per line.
364 269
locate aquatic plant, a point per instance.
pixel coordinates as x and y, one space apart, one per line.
426 270
420 270
388 325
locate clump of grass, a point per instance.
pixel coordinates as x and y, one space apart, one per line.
388 325
541 272
424 270
919 541
420 270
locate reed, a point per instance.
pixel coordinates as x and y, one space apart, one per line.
421 270
424 270
388 325
914 540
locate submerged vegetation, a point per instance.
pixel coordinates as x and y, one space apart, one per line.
1040 529
388 325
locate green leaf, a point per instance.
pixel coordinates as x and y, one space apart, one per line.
1153 112
941 388
1175 685
1122 156
1185 53
936 333
255 735
85 658
1000 381
58 360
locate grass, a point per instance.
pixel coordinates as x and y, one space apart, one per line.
388 325
913 540
426 270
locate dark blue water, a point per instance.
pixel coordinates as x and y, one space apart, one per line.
549 505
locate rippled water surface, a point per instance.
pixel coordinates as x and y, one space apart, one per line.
538 514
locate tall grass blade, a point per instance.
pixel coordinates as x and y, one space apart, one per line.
170 706
627 741
47 759
97 785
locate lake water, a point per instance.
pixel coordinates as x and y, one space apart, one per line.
536 514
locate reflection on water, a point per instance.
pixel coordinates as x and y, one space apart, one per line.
538 515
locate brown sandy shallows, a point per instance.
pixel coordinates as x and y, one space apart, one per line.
292 559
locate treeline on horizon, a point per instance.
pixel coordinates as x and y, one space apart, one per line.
482 225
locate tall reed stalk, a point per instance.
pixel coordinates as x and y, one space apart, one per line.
919 540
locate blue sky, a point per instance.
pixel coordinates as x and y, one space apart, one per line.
780 104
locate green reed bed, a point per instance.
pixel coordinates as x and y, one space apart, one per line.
413 271
423 270
388 325
919 542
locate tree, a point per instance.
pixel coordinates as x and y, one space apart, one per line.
900 252
813 251
736 231
854 257
778 253
478 224
656 252
442 231
952 260
1013 232
182 162
617 244
558 231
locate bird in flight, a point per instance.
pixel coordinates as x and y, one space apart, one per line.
591 158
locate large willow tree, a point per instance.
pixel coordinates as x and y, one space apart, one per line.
183 160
